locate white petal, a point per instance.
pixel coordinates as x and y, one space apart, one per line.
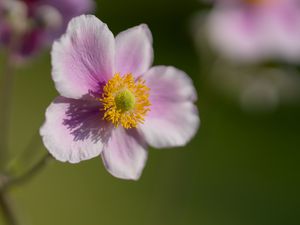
83 58
134 52
74 130
173 119
125 155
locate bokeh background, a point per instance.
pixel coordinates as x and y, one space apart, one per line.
240 169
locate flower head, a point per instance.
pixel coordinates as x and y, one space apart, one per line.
29 25
256 30
112 103
125 101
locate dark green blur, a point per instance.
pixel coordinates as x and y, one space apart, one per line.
240 169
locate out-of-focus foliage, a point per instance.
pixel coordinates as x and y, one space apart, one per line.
240 169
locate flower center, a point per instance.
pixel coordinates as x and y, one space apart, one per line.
15 14
125 101
48 17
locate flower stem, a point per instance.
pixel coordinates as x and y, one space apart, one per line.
8 182
7 209
30 173
6 98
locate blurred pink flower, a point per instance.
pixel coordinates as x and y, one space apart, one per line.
255 30
112 103
29 25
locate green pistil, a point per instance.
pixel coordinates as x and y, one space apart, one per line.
125 101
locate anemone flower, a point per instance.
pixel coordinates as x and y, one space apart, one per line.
112 103
26 26
256 30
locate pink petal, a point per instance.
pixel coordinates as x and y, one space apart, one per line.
237 34
173 119
134 52
282 31
83 58
125 155
74 130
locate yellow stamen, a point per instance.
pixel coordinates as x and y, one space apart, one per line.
125 101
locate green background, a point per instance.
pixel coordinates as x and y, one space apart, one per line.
240 169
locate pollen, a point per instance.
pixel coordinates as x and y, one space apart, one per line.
125 101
